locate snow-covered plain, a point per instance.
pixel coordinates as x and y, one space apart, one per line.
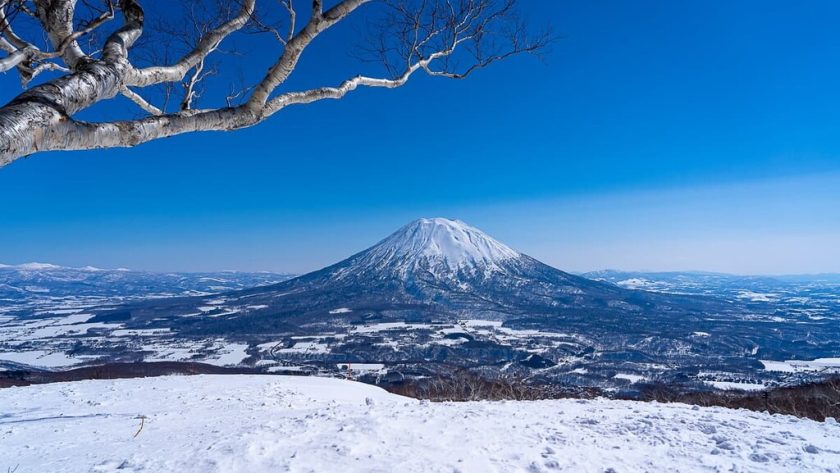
824 365
274 423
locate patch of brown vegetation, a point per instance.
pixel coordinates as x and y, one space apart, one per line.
113 371
817 400
465 385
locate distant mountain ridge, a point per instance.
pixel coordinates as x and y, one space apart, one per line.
721 284
20 281
34 266
612 274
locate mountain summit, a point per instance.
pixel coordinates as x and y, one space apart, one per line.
439 239
437 246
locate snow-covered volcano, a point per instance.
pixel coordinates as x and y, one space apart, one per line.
442 268
430 257
432 269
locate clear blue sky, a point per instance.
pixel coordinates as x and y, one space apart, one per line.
656 135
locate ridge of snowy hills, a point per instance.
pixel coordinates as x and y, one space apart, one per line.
33 266
718 284
33 282
291 423
439 294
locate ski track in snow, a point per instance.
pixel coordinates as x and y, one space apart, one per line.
239 423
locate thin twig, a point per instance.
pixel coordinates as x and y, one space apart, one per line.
142 422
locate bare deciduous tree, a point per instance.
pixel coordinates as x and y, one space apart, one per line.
94 50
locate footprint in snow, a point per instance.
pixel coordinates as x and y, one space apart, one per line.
811 449
708 429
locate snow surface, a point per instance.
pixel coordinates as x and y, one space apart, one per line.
276 423
636 283
633 378
826 365
232 355
40 359
362 367
730 386
757 296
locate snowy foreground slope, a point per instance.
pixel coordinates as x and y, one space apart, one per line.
271 423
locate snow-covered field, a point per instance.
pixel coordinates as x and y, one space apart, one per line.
273 423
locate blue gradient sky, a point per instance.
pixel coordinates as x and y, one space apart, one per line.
656 135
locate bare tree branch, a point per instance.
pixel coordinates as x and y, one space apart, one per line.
14 59
177 71
318 23
440 38
140 101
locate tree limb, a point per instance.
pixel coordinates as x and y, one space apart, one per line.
284 66
177 72
140 101
15 58
430 36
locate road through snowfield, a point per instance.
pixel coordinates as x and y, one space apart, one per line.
239 423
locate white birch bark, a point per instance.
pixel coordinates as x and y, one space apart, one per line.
42 117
